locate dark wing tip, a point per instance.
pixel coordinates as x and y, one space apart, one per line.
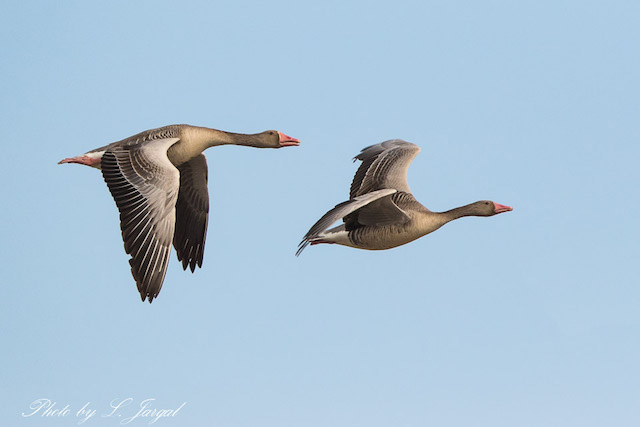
190 260
145 295
301 247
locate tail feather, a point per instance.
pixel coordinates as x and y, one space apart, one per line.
336 235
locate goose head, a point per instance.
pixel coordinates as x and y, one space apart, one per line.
276 139
488 208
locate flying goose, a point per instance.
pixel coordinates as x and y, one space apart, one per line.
381 212
158 179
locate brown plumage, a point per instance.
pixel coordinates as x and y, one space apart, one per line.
158 179
381 212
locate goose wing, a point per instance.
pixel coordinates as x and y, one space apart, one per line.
192 212
339 212
379 213
144 185
384 165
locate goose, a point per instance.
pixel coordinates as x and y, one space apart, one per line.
158 179
381 212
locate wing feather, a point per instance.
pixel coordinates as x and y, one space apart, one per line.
384 165
340 211
192 212
144 185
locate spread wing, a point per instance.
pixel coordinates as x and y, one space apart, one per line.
192 212
144 185
384 165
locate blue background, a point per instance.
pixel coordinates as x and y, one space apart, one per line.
529 318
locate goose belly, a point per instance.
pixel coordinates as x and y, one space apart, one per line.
380 238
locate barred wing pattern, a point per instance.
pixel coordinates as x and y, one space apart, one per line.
379 184
384 165
144 185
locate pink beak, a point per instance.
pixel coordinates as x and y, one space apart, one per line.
287 141
498 208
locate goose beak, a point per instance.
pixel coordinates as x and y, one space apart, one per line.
287 141
498 208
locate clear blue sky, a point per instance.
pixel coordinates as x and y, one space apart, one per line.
524 319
